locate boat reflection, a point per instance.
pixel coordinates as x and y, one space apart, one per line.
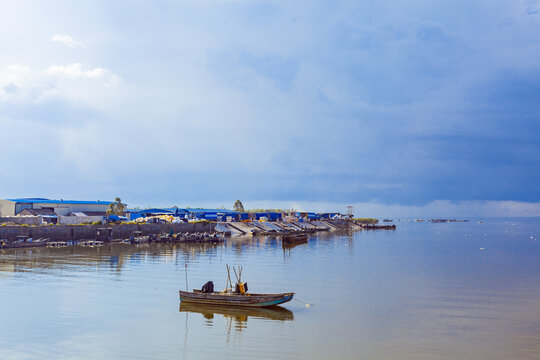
235 318
239 314
287 248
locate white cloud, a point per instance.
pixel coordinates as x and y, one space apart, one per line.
15 74
67 40
76 71
21 83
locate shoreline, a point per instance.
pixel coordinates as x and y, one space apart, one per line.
24 236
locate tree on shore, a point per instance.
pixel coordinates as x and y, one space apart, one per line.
116 208
238 206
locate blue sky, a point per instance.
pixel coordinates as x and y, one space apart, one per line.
400 108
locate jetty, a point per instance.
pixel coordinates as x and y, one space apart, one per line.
377 227
305 227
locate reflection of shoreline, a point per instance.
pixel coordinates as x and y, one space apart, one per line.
238 313
113 256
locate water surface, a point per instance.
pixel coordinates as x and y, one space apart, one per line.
425 291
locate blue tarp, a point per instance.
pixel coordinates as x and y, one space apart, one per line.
211 214
271 216
136 213
244 216
327 215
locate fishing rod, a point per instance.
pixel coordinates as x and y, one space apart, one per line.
187 289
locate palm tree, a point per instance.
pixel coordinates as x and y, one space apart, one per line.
116 208
238 206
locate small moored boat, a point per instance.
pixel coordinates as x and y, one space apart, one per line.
228 297
294 238
234 299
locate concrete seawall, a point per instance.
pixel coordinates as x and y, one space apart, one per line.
89 232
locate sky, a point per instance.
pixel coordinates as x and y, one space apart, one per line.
409 108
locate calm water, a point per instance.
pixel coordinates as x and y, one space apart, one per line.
424 291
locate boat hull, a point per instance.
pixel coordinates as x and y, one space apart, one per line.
295 239
250 300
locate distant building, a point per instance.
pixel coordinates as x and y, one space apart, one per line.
212 214
269 216
329 215
307 216
11 207
48 215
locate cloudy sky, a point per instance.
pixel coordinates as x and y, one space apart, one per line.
401 108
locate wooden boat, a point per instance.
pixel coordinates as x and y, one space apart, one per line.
235 299
288 246
239 297
294 238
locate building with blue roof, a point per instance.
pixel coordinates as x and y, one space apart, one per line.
268 216
11 207
307 215
198 214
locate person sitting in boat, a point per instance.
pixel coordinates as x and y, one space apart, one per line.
208 288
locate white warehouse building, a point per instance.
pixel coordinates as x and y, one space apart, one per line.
11 207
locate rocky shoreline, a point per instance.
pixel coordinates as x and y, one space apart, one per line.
22 236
